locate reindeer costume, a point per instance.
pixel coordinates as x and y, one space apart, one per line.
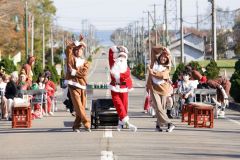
222 84
76 78
159 86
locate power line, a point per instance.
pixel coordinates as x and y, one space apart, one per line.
198 21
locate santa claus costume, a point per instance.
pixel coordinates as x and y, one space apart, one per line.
77 68
121 84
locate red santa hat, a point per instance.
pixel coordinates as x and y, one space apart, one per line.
123 54
119 50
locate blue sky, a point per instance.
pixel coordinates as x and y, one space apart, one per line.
112 14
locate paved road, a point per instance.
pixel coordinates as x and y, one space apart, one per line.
52 138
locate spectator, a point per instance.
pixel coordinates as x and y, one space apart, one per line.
11 91
23 84
3 98
50 89
186 88
28 68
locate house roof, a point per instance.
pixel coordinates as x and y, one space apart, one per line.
177 43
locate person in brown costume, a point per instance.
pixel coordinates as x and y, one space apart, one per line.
158 84
76 78
222 84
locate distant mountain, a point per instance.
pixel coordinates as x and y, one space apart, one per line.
104 37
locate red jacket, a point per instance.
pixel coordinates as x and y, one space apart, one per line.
122 82
50 88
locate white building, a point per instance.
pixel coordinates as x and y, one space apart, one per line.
194 49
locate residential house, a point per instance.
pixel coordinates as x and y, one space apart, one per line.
194 49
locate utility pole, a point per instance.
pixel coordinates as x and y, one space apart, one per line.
197 15
155 24
63 52
32 43
136 41
149 36
52 58
182 33
26 29
166 23
133 41
43 45
142 40
214 33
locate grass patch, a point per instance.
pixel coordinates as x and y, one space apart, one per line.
220 63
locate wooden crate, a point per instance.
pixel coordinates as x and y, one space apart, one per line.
21 117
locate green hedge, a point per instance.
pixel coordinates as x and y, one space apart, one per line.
138 71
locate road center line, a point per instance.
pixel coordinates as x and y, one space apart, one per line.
94 68
107 133
139 85
106 155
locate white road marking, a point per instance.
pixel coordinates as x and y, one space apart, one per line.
234 121
139 85
94 68
106 155
108 93
107 133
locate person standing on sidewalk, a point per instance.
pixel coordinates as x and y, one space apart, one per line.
28 68
158 84
50 88
121 84
76 78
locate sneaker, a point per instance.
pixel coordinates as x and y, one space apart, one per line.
76 130
73 114
170 127
119 127
88 129
170 116
158 128
132 127
50 113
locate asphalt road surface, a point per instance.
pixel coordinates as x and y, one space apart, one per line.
52 137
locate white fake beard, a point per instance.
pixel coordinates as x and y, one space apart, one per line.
120 65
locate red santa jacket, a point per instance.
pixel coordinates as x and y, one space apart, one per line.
121 82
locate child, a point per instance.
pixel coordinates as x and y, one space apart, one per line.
186 88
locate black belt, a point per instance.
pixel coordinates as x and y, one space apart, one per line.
121 83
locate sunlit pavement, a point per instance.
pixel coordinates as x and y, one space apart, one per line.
52 137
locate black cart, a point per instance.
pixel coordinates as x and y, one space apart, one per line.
103 113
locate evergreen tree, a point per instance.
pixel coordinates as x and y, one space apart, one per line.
179 69
212 70
195 65
235 83
37 70
54 75
8 65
